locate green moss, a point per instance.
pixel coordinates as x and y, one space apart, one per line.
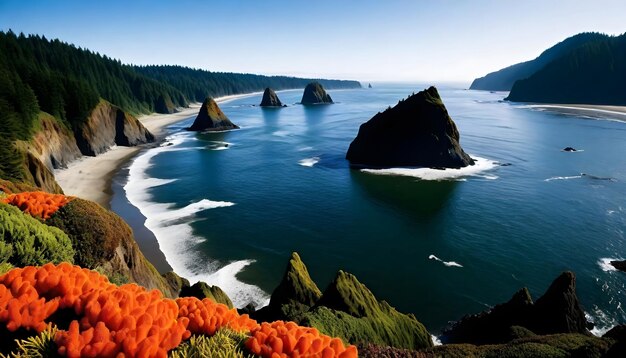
296 291
5 267
175 282
349 310
224 344
25 241
95 232
202 290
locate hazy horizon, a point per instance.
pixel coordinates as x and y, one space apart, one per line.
395 41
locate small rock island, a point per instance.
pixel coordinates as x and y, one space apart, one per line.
211 118
314 93
417 132
270 99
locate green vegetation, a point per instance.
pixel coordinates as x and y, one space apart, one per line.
350 311
197 84
504 79
95 232
39 346
594 73
224 344
25 241
296 292
201 291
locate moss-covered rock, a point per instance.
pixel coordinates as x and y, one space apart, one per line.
202 290
224 344
175 282
103 241
348 309
26 241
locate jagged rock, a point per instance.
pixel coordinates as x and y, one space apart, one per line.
416 132
492 326
557 311
620 265
108 125
314 93
569 149
618 334
270 99
349 310
38 174
295 294
211 118
369 85
202 290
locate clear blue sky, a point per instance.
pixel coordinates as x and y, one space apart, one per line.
367 40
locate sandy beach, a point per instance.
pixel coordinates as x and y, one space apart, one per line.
90 177
610 112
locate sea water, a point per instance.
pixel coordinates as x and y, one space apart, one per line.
229 208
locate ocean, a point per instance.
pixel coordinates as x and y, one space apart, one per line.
229 208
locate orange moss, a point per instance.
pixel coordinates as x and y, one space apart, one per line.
38 204
280 339
129 321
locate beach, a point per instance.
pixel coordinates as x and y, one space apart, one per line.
90 177
603 111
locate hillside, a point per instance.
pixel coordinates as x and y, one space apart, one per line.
594 73
503 80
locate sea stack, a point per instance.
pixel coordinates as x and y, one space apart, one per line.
314 93
211 118
270 99
417 132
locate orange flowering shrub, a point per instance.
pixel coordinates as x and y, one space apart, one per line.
280 339
38 204
129 321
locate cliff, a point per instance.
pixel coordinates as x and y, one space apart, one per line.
314 93
592 73
211 118
417 132
270 99
108 125
503 80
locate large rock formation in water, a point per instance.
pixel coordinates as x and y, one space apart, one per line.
314 93
346 309
211 118
557 311
417 132
270 99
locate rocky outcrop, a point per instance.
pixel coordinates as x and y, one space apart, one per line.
202 290
107 125
211 118
619 265
270 99
346 309
417 132
314 93
37 173
557 311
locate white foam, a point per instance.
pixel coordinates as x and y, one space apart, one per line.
304 149
447 263
480 166
602 322
172 229
564 178
281 133
218 145
436 340
605 264
309 162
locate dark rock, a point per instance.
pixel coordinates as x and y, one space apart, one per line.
270 99
314 93
211 118
620 265
569 149
369 85
557 311
417 132
175 282
201 290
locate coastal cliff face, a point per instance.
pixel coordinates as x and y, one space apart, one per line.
416 132
107 125
314 93
211 118
270 99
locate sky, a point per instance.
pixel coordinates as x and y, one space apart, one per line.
366 40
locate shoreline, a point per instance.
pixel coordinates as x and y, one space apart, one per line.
91 178
608 112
